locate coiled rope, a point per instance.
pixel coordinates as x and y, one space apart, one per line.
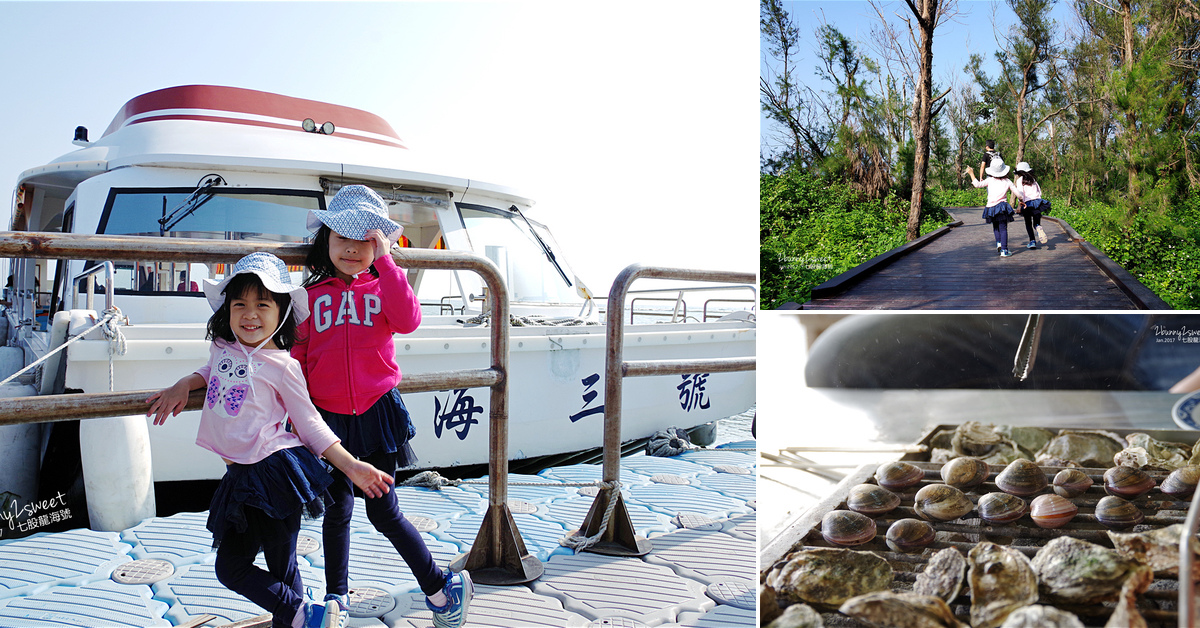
117 344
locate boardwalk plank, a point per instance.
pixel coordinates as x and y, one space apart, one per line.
961 270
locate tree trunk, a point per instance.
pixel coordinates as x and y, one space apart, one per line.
922 106
1131 132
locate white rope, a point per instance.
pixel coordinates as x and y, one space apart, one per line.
435 481
109 315
116 340
579 542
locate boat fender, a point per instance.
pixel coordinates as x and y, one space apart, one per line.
669 442
117 475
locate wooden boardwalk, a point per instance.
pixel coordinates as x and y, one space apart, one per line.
960 270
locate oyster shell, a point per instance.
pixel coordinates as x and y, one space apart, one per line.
976 439
1088 448
943 576
1052 511
1115 512
871 500
1028 439
1038 616
1077 572
1071 482
887 609
941 502
1160 454
1181 483
1126 614
1001 507
909 535
846 527
898 475
768 607
798 616
1157 548
827 577
1001 580
1022 478
965 472
1127 482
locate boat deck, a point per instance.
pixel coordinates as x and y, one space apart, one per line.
697 509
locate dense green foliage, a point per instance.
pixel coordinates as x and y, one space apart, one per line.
1161 249
812 230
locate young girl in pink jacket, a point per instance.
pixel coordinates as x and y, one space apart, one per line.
359 298
272 475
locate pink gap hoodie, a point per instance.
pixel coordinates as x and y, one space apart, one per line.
345 347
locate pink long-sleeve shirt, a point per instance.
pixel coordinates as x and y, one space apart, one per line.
997 188
248 405
1028 191
345 347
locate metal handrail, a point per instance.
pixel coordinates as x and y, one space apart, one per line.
90 273
619 538
704 315
674 315
498 555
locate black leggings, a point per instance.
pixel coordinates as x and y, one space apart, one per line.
1033 218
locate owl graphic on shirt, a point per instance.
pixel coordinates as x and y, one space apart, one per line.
229 384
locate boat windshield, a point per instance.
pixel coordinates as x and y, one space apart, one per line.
245 215
507 239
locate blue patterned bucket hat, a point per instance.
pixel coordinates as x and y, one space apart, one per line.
353 211
271 271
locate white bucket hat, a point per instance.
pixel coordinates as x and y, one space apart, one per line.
1023 167
998 168
353 211
274 275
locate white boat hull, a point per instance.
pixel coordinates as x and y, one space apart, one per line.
556 388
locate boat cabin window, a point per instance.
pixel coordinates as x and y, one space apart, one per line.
233 214
506 239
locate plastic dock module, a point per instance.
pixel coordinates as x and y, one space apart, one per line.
597 587
743 527
572 512
720 617
705 556
653 465
546 489
675 499
179 539
373 559
104 603
34 563
539 535
581 473
494 606
194 590
731 485
447 503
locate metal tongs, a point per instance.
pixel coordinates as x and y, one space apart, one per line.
1027 349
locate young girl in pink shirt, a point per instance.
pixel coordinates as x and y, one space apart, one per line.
998 211
255 388
359 298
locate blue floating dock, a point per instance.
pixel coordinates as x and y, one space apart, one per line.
695 509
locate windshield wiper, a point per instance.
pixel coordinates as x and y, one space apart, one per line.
201 195
545 247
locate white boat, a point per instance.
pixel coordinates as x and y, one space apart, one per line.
235 164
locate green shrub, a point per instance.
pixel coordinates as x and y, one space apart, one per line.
812 230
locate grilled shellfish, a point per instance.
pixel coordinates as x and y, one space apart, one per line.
965 472
1001 507
871 500
1115 512
1182 482
1127 482
1001 580
1052 510
909 535
1022 478
1072 482
941 502
898 475
847 528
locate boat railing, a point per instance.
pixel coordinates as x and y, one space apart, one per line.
90 275
498 555
679 310
608 523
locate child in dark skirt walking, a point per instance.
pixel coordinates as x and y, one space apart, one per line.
1029 193
360 298
272 475
997 211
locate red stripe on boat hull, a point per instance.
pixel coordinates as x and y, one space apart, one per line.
270 125
248 101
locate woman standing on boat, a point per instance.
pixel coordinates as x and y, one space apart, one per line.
359 298
998 211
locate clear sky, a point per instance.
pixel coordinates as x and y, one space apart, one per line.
971 32
632 123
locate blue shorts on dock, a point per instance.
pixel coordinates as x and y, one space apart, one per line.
1000 212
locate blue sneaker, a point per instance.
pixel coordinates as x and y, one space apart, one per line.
458 589
1005 253
1032 244
337 611
314 615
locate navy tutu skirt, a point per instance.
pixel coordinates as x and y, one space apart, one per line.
1039 205
281 484
380 436
1000 212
